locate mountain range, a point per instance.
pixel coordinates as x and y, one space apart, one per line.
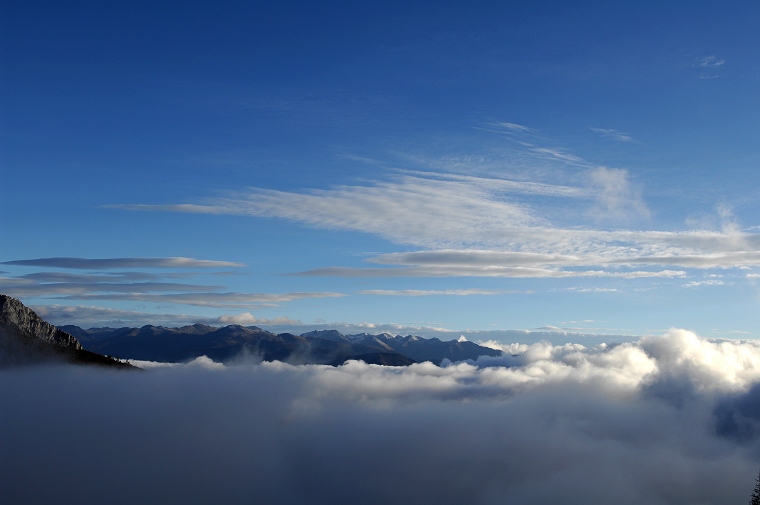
25 338
229 343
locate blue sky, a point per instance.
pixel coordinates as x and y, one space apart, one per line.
566 166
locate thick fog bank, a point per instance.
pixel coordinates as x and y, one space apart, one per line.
667 420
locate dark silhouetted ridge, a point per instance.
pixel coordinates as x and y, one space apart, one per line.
27 339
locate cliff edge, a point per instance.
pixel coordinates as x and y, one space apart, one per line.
27 339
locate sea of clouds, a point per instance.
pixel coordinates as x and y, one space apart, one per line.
672 419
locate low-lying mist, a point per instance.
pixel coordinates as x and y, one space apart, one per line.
667 420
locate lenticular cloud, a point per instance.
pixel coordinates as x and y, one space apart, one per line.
672 419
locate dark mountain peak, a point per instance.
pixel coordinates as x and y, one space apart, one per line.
27 339
325 334
149 329
289 336
18 319
105 330
410 338
358 336
195 329
80 334
379 341
237 329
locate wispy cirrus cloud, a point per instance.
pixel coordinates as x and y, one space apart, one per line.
136 286
506 128
685 250
89 316
708 241
512 187
710 61
530 144
412 209
108 277
617 198
611 134
472 226
425 209
499 226
111 263
593 290
28 287
159 292
512 126
429 292
709 282
453 257
559 154
444 205
737 259
207 299
485 271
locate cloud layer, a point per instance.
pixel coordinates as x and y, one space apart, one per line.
653 422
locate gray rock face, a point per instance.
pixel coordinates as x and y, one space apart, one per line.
19 321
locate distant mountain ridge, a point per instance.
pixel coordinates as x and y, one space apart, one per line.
26 339
227 343
413 347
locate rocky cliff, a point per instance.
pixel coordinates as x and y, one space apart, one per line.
27 339
18 320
